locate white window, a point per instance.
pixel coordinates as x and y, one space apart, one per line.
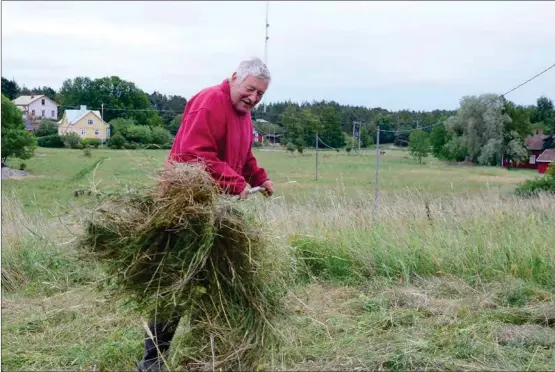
43 113
53 113
107 132
82 132
33 112
96 132
532 159
42 101
90 122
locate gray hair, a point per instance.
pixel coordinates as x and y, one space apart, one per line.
254 67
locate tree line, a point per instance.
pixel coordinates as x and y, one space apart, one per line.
483 129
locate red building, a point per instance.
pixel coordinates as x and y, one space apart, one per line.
535 146
545 159
258 137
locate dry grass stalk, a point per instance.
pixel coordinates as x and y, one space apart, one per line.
182 247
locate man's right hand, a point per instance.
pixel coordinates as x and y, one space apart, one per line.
244 194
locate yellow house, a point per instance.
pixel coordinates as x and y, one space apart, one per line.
86 123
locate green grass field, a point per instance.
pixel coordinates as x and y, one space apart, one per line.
450 271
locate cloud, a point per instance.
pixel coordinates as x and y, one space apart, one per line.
420 55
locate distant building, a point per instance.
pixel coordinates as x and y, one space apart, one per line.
536 145
86 123
545 159
37 106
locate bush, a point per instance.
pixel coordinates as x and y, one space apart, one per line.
87 152
348 149
161 136
291 147
53 141
72 140
92 142
256 144
139 134
46 128
541 184
167 146
117 141
131 146
22 166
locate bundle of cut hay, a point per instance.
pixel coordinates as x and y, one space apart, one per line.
182 248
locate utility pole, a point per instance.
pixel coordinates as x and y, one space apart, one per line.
266 43
316 143
359 135
377 170
353 140
102 111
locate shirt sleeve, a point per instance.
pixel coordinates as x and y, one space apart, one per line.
195 142
252 173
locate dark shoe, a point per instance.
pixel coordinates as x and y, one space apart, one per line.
151 366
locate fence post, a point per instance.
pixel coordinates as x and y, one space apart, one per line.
316 144
377 169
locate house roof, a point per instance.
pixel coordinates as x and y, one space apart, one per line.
73 116
26 100
548 156
535 142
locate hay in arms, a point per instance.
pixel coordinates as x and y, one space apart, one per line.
183 248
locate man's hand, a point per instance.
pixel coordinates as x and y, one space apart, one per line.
244 194
268 188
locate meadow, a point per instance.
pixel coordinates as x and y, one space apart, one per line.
449 271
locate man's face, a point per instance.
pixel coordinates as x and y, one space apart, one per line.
247 94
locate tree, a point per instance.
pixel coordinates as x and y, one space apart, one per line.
121 98
16 141
331 127
419 144
545 113
10 88
438 139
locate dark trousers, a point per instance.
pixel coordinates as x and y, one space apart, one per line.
158 344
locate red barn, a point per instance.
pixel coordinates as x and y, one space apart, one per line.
547 157
535 146
258 137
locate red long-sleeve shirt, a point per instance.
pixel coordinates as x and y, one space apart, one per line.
213 132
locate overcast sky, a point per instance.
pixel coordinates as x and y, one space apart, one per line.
390 54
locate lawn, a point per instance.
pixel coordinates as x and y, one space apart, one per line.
449 272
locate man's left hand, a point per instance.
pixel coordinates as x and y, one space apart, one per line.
268 188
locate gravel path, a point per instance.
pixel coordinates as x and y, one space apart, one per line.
12 173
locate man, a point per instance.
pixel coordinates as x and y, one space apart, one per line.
217 129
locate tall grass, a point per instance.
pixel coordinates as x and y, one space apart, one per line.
487 237
37 257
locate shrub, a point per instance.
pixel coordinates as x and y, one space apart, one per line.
541 184
46 128
72 140
22 166
87 152
139 134
256 144
131 146
348 149
161 136
92 142
167 146
54 141
291 147
117 141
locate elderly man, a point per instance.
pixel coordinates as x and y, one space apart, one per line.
217 129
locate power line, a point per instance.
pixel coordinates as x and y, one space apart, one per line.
487 103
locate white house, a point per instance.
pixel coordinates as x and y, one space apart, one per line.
37 107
